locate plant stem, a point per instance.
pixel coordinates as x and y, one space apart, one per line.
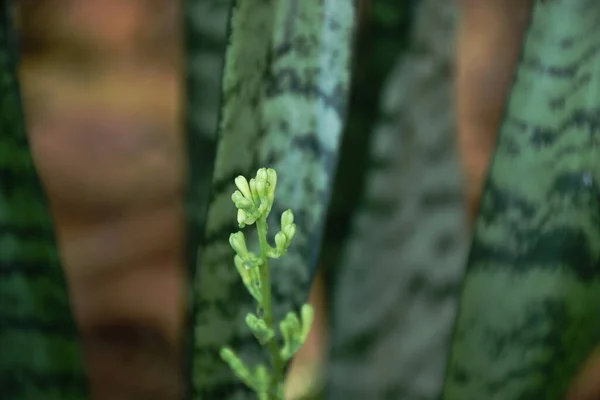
265 277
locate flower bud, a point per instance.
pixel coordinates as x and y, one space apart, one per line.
281 241
237 241
260 329
272 176
240 264
241 201
287 218
271 184
244 218
241 218
255 196
261 187
290 232
242 185
261 175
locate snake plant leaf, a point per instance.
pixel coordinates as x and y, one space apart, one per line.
205 26
380 41
410 229
40 356
204 40
528 314
284 93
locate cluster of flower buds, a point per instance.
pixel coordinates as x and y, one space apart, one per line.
284 237
295 331
247 263
254 199
259 328
257 379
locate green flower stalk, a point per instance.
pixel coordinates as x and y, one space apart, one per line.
254 201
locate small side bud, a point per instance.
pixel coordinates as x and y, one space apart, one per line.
295 330
287 351
227 354
281 241
290 232
244 218
238 367
287 218
250 277
237 241
241 218
262 379
259 328
241 201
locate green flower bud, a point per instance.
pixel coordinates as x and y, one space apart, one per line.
255 196
228 355
281 241
290 232
241 218
287 351
271 184
240 264
238 366
261 189
263 192
293 322
254 260
261 175
250 276
241 201
237 196
287 218
244 218
242 185
237 241
260 329
262 378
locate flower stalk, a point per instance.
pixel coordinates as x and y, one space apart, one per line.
254 201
